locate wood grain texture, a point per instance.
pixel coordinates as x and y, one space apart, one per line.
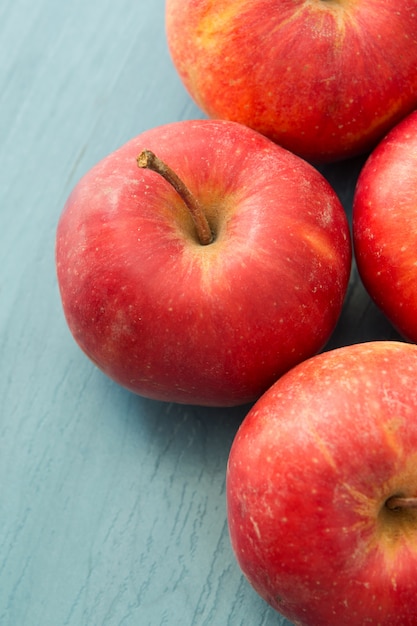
112 507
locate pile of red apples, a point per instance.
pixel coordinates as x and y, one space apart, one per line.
207 261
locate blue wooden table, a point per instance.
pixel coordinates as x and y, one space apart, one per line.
112 507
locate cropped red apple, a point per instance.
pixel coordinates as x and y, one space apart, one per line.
322 489
324 78
209 309
385 226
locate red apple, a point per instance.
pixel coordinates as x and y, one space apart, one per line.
385 226
322 489
203 322
325 79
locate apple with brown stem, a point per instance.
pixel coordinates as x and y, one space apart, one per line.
205 280
322 489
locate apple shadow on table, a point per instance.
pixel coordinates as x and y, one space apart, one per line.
199 435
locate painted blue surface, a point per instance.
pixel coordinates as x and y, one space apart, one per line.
112 507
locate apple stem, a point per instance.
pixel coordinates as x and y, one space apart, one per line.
397 502
147 159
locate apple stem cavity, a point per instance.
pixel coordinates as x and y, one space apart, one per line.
396 503
148 160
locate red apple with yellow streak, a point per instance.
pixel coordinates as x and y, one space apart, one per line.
205 280
324 78
322 489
